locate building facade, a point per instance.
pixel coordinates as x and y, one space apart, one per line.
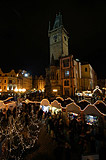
88 77
8 81
70 75
11 81
24 80
39 83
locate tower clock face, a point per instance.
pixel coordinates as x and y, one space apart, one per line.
55 38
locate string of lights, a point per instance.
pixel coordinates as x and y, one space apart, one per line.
18 137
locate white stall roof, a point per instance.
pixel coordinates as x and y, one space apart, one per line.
73 107
45 102
92 110
56 104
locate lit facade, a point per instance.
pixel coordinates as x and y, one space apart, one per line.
39 83
88 77
8 81
24 80
70 75
11 81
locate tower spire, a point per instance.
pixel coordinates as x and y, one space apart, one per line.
58 21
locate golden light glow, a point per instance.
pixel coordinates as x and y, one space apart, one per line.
20 90
54 90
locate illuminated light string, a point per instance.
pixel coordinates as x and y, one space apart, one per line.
14 130
69 99
84 100
14 133
60 98
99 101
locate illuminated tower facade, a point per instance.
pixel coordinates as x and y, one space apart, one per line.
58 39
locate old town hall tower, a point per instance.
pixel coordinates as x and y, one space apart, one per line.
65 75
58 39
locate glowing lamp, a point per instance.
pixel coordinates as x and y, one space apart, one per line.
54 90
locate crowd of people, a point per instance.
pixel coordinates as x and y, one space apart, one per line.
77 137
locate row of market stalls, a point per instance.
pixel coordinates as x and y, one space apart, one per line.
84 109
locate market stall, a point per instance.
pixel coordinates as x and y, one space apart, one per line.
83 103
91 114
73 110
55 107
45 105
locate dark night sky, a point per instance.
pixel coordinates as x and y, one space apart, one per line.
24 33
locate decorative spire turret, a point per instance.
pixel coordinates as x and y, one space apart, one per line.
58 21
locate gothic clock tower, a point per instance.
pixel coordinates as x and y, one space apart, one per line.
58 39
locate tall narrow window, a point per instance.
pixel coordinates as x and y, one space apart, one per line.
85 69
57 76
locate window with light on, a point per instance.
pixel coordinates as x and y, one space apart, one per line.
66 73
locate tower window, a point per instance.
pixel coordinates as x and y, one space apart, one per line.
85 69
55 38
65 38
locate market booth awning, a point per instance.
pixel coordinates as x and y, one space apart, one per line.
64 102
83 103
73 107
56 104
56 107
45 105
45 102
92 110
101 106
